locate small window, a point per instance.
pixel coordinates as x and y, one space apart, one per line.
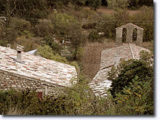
124 35
134 37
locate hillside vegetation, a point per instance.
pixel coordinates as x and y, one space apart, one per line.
75 32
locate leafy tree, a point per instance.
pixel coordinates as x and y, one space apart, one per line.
104 3
132 86
49 40
94 4
145 19
78 100
137 99
107 25
47 52
69 29
16 27
78 3
44 28
19 24
139 3
146 2
29 9
134 3
118 4
62 22
57 3
127 71
93 36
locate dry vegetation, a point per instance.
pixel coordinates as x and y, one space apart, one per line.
104 10
148 45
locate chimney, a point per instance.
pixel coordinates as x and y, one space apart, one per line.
19 52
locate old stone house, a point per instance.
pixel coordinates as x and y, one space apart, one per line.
20 71
109 58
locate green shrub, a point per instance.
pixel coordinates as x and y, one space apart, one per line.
121 17
10 35
145 19
57 3
2 32
94 4
78 3
19 24
93 36
114 4
134 4
16 27
132 87
89 26
107 25
68 28
29 9
78 100
29 43
127 71
50 41
137 99
44 28
47 52
62 22
80 53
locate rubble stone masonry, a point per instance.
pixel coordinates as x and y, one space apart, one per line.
10 80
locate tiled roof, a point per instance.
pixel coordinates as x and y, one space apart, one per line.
111 57
37 67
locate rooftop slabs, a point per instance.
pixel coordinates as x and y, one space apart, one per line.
37 67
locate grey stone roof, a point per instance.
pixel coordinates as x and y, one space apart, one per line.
111 57
37 67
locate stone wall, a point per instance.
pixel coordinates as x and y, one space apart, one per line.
129 36
10 80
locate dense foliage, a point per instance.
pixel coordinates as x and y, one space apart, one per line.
128 70
108 23
33 9
132 85
76 101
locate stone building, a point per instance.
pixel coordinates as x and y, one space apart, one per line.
20 71
109 58
129 33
